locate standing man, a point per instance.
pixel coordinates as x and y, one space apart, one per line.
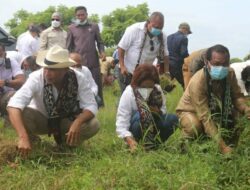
211 100
141 44
83 37
194 62
11 78
54 100
28 42
54 34
178 50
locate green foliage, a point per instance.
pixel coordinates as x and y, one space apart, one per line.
94 18
235 60
109 51
247 57
22 19
118 20
104 161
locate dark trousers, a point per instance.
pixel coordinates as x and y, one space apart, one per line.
96 73
175 69
166 125
124 81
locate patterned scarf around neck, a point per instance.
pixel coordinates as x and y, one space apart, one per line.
221 112
151 138
66 105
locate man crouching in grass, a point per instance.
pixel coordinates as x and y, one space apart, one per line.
54 100
213 99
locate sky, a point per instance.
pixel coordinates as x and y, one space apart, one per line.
212 22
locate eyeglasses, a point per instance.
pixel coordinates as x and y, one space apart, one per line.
55 19
152 48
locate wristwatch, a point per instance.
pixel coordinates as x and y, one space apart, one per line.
6 82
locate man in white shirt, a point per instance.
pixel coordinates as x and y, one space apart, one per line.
86 72
28 42
141 44
17 56
238 69
11 78
54 100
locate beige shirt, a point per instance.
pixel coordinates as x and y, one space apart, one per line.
50 37
195 97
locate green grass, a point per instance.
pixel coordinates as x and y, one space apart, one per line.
104 162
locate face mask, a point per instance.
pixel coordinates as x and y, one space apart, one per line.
2 60
78 22
155 31
145 92
55 23
27 73
218 72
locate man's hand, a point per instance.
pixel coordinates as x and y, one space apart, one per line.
224 149
2 83
124 70
24 146
247 112
73 135
131 143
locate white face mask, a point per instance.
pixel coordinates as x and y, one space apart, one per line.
145 92
55 23
78 22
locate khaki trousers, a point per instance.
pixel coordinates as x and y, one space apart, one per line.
37 124
191 127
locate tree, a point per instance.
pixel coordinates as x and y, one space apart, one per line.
117 21
247 57
235 60
22 19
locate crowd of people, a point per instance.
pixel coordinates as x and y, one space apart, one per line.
53 85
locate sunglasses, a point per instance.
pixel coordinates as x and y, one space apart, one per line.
152 48
55 19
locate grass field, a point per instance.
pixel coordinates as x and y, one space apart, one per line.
104 162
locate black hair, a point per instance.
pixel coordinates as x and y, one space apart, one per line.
34 28
219 49
80 8
156 14
245 74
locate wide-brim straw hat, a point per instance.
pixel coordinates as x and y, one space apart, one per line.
56 57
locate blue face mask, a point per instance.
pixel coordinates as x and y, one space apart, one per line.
27 73
218 72
155 31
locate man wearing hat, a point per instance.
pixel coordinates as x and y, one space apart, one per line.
178 50
54 34
54 100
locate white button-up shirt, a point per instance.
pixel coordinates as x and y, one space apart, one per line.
31 94
238 68
132 41
27 45
88 75
127 106
8 73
